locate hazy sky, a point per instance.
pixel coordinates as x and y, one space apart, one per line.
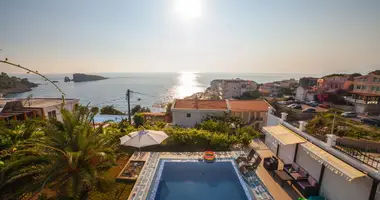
258 36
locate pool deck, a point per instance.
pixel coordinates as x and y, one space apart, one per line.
141 188
272 184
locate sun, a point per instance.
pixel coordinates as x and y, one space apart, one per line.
188 9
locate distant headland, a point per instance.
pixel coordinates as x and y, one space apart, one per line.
77 77
12 84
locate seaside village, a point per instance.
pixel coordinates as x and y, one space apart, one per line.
313 138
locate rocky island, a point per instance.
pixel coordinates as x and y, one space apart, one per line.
86 77
12 84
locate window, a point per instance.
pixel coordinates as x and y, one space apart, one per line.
364 87
188 115
52 114
378 88
358 87
373 88
375 79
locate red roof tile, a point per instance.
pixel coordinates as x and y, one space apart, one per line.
200 104
248 105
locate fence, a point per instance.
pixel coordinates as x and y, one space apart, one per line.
370 157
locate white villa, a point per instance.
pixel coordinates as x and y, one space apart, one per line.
338 176
229 88
20 109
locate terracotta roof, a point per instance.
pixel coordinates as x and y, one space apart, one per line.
248 105
200 104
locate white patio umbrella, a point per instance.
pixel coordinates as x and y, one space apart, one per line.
143 138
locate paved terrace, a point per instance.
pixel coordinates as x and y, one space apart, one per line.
273 185
143 183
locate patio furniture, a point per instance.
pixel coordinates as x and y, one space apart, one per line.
252 154
308 187
254 165
270 163
295 171
284 176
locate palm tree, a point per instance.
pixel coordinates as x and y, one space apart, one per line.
68 161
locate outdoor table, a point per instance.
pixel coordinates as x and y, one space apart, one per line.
283 176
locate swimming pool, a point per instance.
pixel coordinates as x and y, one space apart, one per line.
193 179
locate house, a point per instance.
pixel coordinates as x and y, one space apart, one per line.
189 112
21 109
276 88
330 172
253 112
366 93
336 82
305 94
306 89
229 88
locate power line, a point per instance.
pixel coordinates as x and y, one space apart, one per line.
104 102
142 93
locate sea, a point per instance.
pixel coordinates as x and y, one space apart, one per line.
148 89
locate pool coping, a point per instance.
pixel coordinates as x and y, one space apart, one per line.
142 186
157 176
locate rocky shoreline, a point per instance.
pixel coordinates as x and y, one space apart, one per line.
13 85
206 95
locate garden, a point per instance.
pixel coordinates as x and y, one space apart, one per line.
343 127
73 160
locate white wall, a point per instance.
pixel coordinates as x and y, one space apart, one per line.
272 120
69 105
269 141
180 116
312 166
335 187
286 153
309 97
232 89
300 93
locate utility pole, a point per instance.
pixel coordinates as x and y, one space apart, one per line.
128 97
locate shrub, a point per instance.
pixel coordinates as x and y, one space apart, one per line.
138 119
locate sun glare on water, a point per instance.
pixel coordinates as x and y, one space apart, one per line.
188 9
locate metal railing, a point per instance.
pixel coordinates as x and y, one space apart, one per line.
366 156
319 136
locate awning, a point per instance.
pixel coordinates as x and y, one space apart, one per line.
331 162
283 135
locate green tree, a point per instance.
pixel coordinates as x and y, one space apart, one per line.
70 160
139 109
169 107
138 119
110 110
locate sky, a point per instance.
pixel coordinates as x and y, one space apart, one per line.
253 36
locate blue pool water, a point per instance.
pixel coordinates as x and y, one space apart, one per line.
199 180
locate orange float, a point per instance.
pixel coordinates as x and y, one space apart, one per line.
209 156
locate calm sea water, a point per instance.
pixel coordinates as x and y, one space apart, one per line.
157 88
